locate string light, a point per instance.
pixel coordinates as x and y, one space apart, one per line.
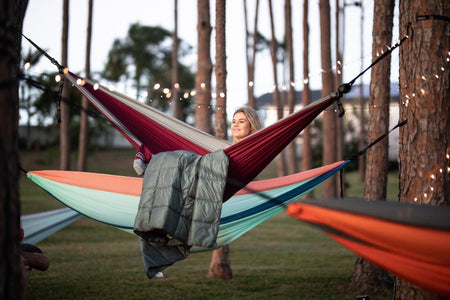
338 67
427 195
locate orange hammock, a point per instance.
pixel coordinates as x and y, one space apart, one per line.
409 240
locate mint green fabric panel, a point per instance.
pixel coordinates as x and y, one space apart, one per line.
111 208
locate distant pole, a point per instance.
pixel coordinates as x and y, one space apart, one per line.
361 140
361 144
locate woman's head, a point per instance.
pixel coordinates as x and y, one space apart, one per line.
245 122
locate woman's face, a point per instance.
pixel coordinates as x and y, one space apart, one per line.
240 127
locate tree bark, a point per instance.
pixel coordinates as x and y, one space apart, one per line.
329 116
221 125
177 105
251 54
220 263
367 275
84 121
65 146
292 166
339 49
251 80
11 20
250 98
204 69
307 155
281 161
424 90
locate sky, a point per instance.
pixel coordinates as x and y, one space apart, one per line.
112 19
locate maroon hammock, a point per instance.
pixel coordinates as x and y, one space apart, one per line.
247 158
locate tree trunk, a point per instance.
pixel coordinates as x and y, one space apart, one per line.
221 125
250 98
65 108
281 161
339 48
204 69
84 121
424 89
329 116
368 276
292 153
307 155
220 263
251 55
177 105
11 19
251 80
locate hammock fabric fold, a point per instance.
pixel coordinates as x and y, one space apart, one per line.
39 226
142 125
411 241
114 200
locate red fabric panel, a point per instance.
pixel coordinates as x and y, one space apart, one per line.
273 183
251 155
154 136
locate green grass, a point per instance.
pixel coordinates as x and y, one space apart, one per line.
282 258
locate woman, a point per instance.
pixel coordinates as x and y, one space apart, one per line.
245 122
157 253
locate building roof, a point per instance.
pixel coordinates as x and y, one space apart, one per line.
267 99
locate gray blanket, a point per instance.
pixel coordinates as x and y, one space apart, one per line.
180 206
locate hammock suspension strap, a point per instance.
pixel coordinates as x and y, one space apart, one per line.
363 151
60 70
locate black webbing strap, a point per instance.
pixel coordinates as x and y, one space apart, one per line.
377 140
432 17
60 70
346 87
363 151
43 52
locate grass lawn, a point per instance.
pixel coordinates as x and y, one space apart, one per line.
282 258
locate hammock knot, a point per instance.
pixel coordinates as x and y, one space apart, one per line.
344 89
